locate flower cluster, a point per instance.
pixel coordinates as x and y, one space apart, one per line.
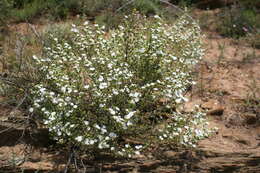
98 86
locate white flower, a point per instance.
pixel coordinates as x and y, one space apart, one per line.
86 23
129 115
35 57
63 89
115 92
67 99
86 87
136 94
86 123
157 17
42 90
97 126
69 90
110 66
101 105
142 50
112 111
92 142
79 138
75 30
129 123
100 79
103 85
31 110
136 100
112 135
138 147
54 100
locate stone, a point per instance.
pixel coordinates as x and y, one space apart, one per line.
217 111
43 166
211 104
190 106
170 154
150 164
250 118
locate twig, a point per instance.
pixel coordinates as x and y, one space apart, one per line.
20 103
126 4
82 163
35 32
163 1
69 160
178 9
5 130
10 82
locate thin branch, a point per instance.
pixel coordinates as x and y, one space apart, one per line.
36 32
9 128
163 1
126 4
178 9
69 160
20 102
10 82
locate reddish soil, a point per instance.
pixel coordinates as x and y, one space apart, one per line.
228 86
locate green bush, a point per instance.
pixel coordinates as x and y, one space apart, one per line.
101 88
238 21
147 6
109 19
5 7
250 4
29 11
184 2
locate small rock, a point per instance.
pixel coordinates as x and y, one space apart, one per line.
170 154
191 106
43 166
257 137
211 104
16 113
217 111
139 156
250 118
163 101
243 141
35 157
151 164
235 120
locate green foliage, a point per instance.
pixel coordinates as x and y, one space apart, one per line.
184 3
93 7
249 4
5 6
59 9
238 21
100 88
29 10
61 31
109 19
147 6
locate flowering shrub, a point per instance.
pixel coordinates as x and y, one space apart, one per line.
100 88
